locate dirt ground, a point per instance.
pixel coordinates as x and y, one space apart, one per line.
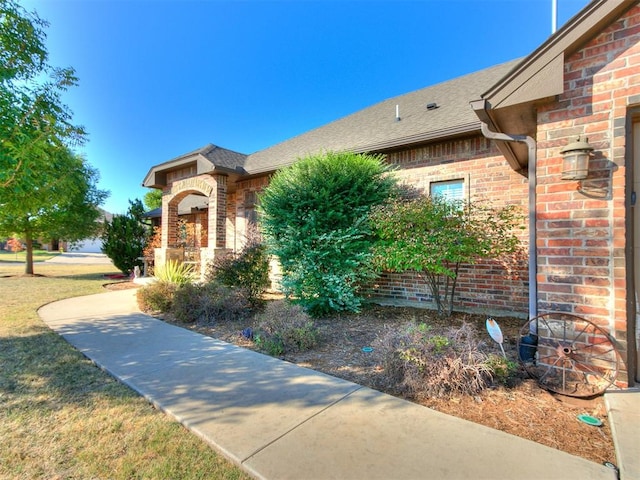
524 409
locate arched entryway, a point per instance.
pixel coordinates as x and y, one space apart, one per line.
193 220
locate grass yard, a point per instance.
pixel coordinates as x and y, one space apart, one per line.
62 417
20 257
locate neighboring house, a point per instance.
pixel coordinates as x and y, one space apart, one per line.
87 245
495 134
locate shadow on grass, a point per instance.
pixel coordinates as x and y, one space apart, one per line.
42 366
11 257
107 277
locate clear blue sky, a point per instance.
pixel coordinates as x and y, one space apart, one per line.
161 78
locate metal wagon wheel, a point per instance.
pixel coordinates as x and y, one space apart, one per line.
568 354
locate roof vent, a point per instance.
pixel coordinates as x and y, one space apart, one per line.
432 106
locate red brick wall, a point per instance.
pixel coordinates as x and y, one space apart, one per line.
204 225
221 211
231 221
581 225
498 287
243 188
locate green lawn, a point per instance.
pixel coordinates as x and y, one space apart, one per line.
62 417
20 257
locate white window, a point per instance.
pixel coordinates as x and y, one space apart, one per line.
452 190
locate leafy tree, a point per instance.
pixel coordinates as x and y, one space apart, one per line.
33 118
125 237
45 189
434 237
62 204
153 199
23 53
314 215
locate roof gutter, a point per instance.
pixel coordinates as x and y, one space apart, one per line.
481 108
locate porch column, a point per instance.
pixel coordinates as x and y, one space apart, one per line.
169 222
217 234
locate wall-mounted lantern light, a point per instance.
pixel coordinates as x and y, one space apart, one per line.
575 163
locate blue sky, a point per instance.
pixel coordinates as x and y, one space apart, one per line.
159 78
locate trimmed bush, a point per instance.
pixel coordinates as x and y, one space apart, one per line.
247 269
314 215
208 303
283 328
156 297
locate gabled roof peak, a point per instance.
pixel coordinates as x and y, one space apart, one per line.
208 158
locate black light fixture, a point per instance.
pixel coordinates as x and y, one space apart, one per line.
575 162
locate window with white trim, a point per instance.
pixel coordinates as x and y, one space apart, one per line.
452 190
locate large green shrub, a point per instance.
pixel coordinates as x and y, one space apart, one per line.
125 237
314 215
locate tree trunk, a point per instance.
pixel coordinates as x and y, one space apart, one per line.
434 287
453 288
28 264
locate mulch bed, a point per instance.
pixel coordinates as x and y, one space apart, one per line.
523 409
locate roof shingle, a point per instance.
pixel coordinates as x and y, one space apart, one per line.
375 128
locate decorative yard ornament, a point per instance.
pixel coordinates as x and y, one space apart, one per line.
494 331
248 333
569 354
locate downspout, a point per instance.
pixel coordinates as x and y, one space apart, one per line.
481 108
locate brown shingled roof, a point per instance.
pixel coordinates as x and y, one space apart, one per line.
207 158
222 157
375 128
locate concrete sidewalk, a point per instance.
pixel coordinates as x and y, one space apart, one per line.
281 421
76 258
623 409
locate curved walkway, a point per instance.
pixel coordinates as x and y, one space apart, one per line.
281 421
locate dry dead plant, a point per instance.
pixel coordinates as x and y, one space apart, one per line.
428 363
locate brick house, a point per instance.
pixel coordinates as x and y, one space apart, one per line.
495 134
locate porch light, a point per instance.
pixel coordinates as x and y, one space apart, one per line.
575 163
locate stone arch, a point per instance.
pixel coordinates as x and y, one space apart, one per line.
214 188
178 191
